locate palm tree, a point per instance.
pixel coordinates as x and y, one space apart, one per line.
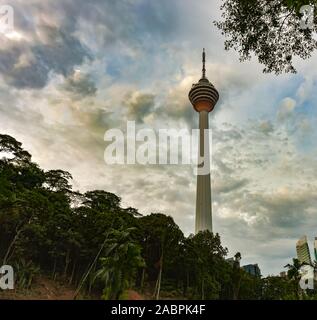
236 276
294 274
119 264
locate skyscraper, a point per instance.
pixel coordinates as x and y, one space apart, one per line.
302 249
252 269
203 97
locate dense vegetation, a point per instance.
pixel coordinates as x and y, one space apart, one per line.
275 31
89 241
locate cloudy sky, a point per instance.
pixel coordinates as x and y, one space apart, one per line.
72 69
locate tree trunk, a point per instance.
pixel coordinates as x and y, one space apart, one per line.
72 274
90 282
159 280
142 279
84 278
18 231
202 290
67 261
144 268
5 259
155 289
54 269
186 284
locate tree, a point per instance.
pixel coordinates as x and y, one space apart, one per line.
58 180
102 200
277 288
293 274
161 237
269 29
208 267
250 287
294 269
119 264
93 243
13 149
236 276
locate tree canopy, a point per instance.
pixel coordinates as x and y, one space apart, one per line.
275 31
88 240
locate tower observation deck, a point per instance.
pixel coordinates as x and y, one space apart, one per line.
203 96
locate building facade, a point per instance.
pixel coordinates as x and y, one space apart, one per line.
302 249
252 269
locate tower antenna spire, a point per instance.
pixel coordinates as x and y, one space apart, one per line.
204 64
203 96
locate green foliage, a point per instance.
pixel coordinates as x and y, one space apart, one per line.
90 241
119 264
270 30
278 288
206 261
25 272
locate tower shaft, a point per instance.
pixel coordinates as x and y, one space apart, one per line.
203 96
203 193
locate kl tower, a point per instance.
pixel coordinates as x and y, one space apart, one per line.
203 97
